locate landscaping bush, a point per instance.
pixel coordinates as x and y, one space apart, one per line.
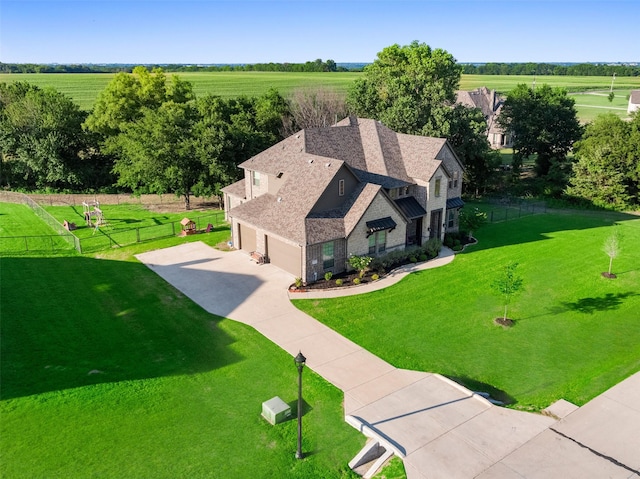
356 281
449 239
423 257
375 277
339 282
433 247
360 263
328 275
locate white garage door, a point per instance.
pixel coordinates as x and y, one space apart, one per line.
247 238
284 256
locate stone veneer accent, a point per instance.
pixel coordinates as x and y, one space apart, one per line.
381 207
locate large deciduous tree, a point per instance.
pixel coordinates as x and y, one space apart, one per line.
466 131
412 89
607 167
159 153
128 95
41 140
408 88
544 123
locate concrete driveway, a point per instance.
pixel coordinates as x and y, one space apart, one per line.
440 429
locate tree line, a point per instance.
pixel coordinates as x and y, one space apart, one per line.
317 65
578 69
149 133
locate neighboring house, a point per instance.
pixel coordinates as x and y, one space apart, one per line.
355 188
490 103
634 101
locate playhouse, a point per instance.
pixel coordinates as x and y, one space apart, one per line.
188 227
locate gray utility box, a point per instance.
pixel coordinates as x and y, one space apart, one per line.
275 410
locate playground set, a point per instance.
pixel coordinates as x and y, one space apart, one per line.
94 217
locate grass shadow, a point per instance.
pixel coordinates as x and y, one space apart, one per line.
608 302
73 321
539 227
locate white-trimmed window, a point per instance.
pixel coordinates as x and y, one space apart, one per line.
327 255
255 178
451 219
378 242
455 179
436 189
340 187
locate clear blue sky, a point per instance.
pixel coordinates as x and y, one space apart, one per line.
241 31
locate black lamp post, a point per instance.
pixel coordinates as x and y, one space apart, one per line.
299 360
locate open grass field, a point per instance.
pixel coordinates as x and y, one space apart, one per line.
107 371
576 333
85 87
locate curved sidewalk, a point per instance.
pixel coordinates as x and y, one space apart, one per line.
441 429
446 256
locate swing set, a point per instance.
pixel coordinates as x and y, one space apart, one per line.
94 217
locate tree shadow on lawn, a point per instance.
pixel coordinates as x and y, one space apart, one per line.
537 227
73 321
608 302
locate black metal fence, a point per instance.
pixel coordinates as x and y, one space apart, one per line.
510 209
103 237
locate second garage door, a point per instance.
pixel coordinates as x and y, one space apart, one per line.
284 256
247 238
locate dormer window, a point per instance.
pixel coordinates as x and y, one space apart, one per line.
341 188
455 179
255 178
436 189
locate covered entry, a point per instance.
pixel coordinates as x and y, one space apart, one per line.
284 255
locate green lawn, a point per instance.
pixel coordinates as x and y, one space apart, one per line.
591 104
128 223
21 230
85 87
576 333
108 371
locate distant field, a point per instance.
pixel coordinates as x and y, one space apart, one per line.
85 87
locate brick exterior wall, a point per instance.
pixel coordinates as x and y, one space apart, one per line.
313 265
358 243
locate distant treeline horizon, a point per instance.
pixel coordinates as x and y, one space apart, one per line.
528 68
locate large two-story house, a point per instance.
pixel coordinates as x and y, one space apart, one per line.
490 103
355 188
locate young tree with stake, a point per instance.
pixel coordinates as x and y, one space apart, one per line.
507 284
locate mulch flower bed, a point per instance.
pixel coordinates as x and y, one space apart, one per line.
347 280
504 322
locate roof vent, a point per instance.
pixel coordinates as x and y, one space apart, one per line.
279 199
327 164
279 175
297 136
310 160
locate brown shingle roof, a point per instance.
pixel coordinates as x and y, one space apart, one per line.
236 189
307 162
305 180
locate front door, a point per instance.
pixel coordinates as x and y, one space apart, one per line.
419 232
435 227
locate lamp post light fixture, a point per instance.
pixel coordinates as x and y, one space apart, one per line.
300 360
